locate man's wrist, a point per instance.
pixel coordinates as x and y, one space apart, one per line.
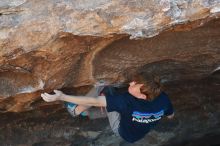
61 97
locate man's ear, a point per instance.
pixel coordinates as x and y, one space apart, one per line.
170 116
143 96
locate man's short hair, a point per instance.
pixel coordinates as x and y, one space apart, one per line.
152 86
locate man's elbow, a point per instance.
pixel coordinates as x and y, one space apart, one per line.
170 116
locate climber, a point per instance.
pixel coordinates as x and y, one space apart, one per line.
131 114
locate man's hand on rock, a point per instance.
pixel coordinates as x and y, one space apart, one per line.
52 97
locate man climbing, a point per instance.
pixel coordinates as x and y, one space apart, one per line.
131 114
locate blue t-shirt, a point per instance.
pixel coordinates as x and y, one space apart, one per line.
138 116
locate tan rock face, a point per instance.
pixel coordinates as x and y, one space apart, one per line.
72 61
70 44
46 45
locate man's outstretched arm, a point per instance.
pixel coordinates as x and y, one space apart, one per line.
80 100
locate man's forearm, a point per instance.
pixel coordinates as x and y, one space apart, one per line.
84 100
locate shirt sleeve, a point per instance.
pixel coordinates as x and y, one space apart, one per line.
169 109
116 102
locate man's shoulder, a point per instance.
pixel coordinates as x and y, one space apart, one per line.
125 94
118 95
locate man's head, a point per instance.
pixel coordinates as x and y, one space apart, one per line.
144 87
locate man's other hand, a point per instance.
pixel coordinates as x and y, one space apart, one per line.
170 116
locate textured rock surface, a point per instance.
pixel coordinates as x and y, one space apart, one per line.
66 44
37 21
68 60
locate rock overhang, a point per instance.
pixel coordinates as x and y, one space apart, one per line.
71 44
